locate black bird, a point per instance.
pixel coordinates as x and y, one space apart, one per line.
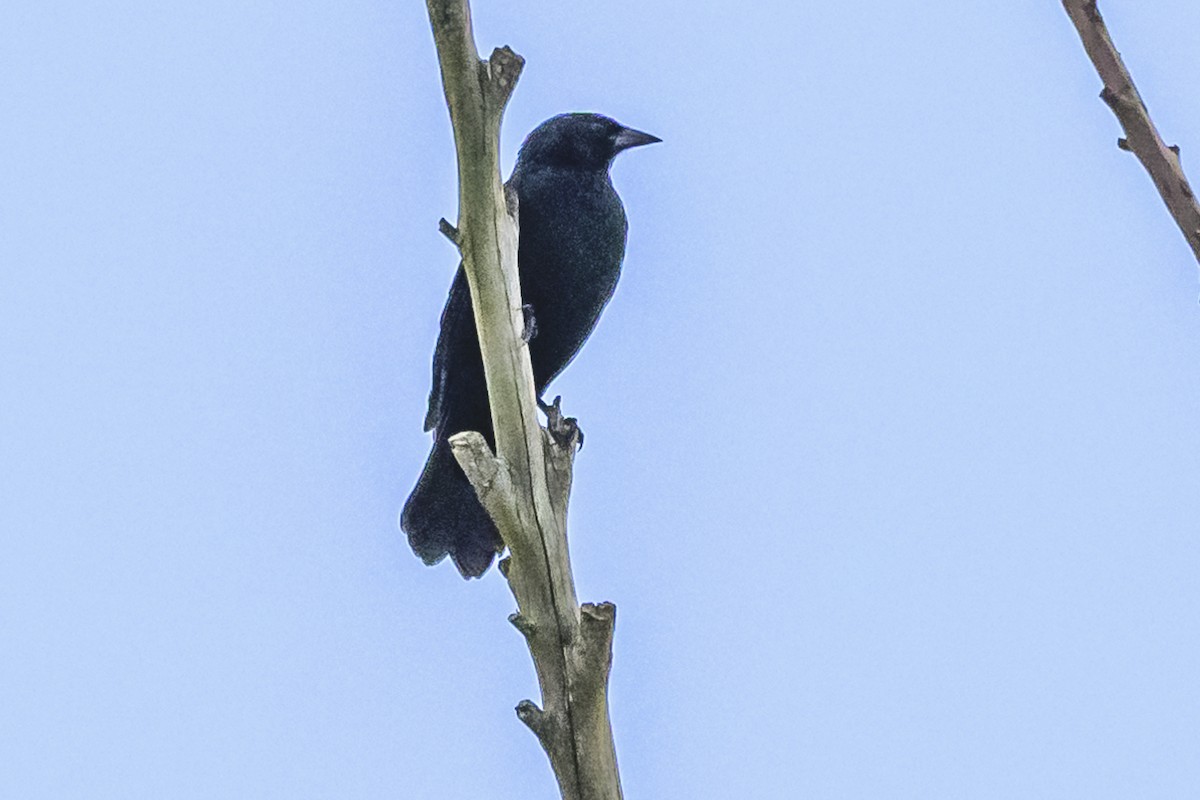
572 241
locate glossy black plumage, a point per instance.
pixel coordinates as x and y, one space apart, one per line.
572 242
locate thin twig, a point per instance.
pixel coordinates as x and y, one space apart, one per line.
1141 137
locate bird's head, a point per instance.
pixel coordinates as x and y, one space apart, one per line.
582 141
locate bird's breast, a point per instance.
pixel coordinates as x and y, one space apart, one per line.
572 241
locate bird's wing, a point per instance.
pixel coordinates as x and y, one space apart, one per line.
457 324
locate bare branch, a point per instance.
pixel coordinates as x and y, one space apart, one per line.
1141 137
487 474
524 486
448 230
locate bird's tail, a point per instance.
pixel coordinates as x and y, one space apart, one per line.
444 517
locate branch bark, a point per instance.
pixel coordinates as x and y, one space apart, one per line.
525 485
1141 137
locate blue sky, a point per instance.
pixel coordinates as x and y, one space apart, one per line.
893 447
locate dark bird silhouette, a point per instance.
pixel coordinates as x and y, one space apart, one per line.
572 242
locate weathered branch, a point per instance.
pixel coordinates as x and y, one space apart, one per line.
525 485
448 230
1141 137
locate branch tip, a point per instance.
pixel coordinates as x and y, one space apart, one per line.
501 72
564 430
475 457
522 624
599 613
505 66
596 624
533 717
488 475
449 231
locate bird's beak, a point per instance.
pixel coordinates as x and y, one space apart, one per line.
628 138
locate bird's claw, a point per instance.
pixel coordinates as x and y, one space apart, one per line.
565 430
530 330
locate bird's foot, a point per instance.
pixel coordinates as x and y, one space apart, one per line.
565 430
530 329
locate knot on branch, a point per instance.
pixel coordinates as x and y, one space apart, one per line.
538 721
1122 101
523 624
